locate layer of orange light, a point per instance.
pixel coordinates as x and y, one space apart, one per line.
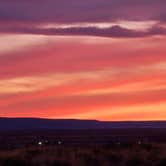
139 112
87 92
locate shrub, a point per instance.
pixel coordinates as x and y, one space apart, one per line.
13 162
114 158
135 161
60 163
162 162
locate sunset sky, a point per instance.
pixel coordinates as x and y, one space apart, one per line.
83 59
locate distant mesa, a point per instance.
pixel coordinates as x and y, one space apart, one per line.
49 124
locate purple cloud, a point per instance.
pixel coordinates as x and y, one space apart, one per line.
22 16
81 11
114 31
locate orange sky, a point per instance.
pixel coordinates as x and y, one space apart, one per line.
93 59
83 77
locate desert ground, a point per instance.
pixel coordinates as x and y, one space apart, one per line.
115 147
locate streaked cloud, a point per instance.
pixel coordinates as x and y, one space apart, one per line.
81 11
14 42
83 59
114 30
112 18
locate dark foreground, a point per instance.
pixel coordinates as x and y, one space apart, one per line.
109 147
23 138
87 155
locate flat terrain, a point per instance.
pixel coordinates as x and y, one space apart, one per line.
22 138
153 154
105 147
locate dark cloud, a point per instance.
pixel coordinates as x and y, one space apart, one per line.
81 10
22 16
114 31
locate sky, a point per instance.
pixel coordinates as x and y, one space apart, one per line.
93 59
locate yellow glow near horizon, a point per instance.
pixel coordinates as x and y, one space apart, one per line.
155 111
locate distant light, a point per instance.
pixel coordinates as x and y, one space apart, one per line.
139 142
40 143
59 142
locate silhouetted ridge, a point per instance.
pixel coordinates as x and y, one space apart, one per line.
35 123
